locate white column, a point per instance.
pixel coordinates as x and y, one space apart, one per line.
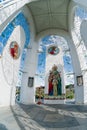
79 91
9 68
83 32
28 93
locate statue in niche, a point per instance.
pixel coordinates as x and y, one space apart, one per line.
54 81
50 80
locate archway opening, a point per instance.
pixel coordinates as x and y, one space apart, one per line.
44 64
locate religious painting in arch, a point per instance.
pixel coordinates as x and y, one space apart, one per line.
53 50
14 50
54 82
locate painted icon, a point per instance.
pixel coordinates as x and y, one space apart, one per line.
14 50
53 50
80 80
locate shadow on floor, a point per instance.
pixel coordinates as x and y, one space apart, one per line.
3 127
36 117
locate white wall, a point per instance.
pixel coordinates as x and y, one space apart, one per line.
83 32
9 69
79 90
79 96
28 93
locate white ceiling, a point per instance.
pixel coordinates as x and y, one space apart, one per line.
50 14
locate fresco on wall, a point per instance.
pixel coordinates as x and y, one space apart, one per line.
53 50
54 82
14 50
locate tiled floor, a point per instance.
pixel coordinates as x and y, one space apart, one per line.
44 117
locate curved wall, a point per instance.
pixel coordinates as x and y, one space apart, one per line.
16 30
80 46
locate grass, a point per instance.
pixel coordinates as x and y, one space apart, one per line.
69 94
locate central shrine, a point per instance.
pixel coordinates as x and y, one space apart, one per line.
54 75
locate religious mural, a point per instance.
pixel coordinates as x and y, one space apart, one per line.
53 50
14 50
54 82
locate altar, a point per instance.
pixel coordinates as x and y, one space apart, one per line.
54 82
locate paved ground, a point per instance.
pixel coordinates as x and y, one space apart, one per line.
44 117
